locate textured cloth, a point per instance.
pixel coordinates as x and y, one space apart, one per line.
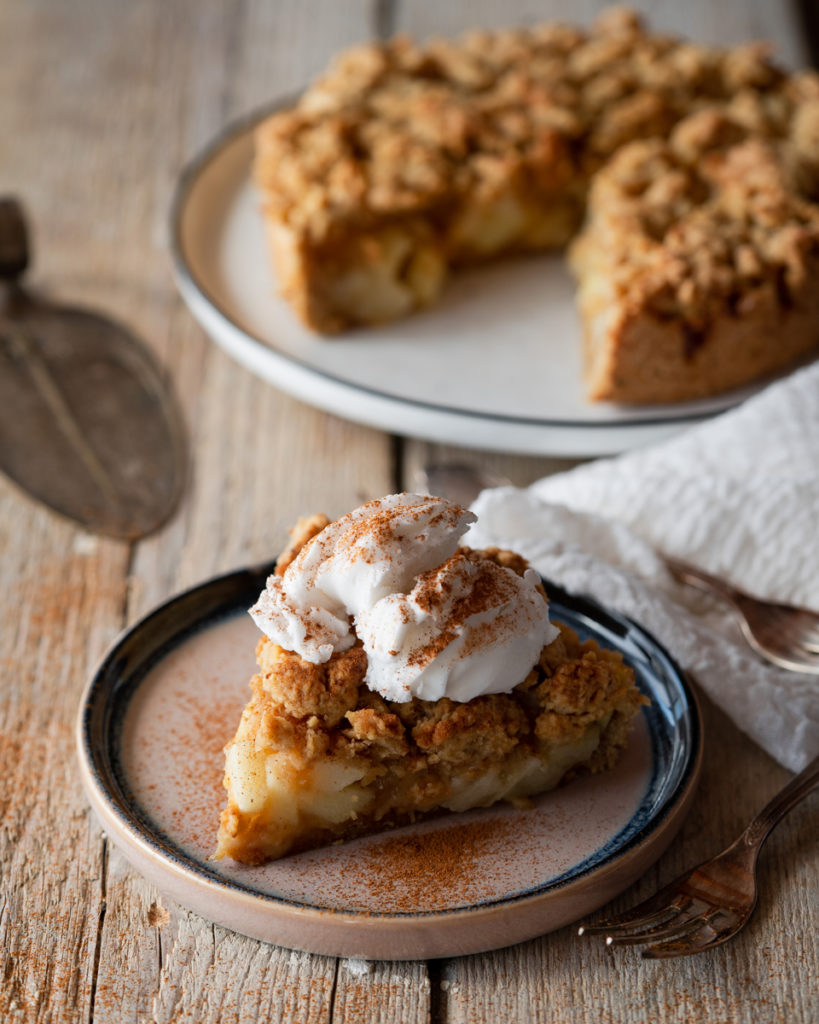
737 495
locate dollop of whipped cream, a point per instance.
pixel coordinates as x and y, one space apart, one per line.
467 628
434 621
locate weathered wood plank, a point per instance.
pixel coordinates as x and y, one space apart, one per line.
260 459
381 993
117 100
214 976
61 600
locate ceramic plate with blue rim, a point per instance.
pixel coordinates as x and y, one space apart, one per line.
168 696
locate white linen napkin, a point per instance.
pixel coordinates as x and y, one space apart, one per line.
737 495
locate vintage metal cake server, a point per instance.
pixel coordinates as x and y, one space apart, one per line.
88 422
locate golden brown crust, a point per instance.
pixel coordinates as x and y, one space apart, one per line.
418 748
381 730
571 678
395 128
299 690
484 729
698 263
403 161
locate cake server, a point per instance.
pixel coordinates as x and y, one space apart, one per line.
88 422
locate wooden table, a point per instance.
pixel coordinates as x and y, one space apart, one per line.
101 103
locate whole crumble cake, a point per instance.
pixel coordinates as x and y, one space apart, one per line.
405 161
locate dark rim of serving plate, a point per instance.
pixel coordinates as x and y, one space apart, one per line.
146 643
189 177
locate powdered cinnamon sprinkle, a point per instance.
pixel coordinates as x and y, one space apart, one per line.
194 737
439 869
486 586
371 530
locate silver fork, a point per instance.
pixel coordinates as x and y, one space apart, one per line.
711 903
783 634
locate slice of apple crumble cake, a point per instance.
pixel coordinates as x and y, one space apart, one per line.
403 676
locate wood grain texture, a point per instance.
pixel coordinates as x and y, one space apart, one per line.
61 603
101 104
381 993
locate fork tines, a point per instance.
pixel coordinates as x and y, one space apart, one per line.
673 923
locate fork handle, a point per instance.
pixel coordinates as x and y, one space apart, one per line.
696 577
785 800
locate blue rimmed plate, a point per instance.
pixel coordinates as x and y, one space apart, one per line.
168 696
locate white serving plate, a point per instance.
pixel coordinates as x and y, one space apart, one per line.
496 364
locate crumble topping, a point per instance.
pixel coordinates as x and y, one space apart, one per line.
305 529
400 128
328 707
304 690
701 222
